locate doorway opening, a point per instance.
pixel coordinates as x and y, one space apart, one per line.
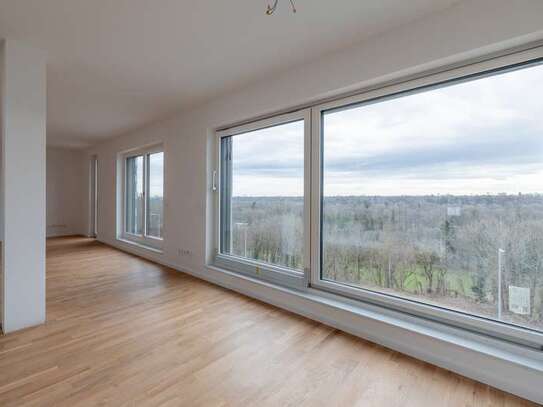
93 221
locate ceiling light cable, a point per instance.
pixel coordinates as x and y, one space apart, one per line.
271 8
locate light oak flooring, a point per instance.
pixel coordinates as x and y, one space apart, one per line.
122 331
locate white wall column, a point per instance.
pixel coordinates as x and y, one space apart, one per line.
22 174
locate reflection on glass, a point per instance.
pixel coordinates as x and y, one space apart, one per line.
262 199
134 195
156 195
438 197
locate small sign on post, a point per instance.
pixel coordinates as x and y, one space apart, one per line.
454 211
519 300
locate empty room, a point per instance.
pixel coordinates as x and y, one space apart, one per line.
271 203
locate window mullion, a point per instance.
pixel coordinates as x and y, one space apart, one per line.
308 197
316 183
226 194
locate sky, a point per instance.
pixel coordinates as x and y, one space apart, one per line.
479 137
156 174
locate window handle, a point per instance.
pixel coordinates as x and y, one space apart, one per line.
214 181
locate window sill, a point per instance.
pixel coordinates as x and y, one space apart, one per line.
140 245
261 271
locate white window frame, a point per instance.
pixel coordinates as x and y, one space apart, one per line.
269 272
420 82
143 239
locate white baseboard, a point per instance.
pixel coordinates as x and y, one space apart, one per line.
66 233
59 234
511 368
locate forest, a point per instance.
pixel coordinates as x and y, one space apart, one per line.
443 250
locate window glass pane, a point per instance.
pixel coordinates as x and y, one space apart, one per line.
134 195
262 197
438 197
156 195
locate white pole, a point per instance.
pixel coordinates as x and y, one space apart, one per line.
500 252
243 225
245 245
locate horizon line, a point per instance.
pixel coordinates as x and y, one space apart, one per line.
500 194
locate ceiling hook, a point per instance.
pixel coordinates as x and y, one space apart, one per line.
272 7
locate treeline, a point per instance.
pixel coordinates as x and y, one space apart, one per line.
446 249
273 227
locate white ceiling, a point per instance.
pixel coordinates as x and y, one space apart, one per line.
116 65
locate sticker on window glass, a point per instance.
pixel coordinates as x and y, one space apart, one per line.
519 300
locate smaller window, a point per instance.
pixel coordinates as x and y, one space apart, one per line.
262 203
144 197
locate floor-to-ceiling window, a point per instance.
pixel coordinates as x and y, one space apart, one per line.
436 196
424 196
144 196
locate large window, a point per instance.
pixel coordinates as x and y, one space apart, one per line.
144 194
437 196
262 199
425 197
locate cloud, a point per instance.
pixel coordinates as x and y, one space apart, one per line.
509 148
483 136
156 174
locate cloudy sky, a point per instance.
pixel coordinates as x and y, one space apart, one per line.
484 136
156 174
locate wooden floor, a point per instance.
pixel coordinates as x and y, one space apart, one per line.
122 331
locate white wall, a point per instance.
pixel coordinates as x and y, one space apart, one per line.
469 29
23 105
67 192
